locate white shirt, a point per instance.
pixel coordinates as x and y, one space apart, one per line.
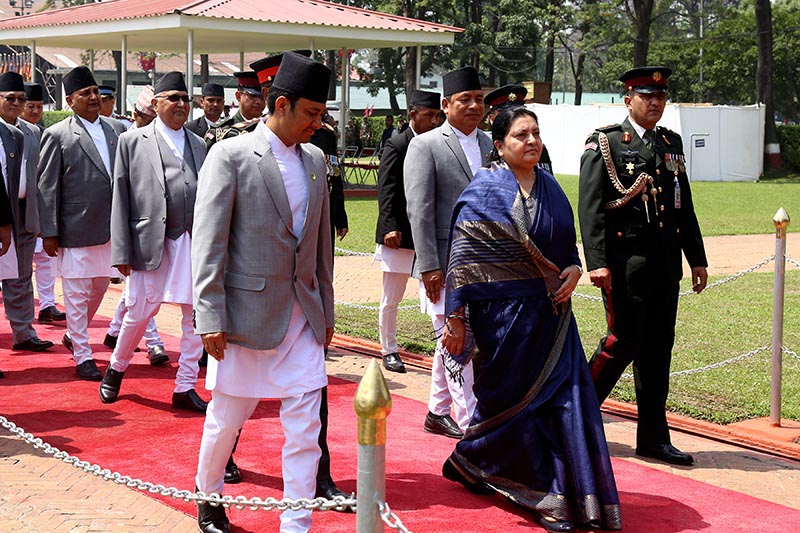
640 131
95 130
4 163
294 176
472 149
175 139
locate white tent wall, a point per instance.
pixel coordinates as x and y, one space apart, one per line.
715 143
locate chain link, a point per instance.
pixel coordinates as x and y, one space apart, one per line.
790 353
712 366
352 252
587 297
391 519
790 260
338 503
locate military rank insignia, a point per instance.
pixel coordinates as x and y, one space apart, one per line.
626 137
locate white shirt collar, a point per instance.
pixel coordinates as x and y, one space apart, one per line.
640 130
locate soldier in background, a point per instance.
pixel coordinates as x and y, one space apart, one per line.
251 107
326 140
108 98
637 217
513 96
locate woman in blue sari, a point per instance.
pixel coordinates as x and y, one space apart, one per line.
536 436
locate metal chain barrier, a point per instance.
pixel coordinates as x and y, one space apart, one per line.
712 366
391 519
792 261
790 353
587 297
733 276
339 503
352 252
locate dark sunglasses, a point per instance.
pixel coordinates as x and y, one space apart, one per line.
11 99
175 98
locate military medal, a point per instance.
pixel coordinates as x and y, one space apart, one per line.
629 167
677 193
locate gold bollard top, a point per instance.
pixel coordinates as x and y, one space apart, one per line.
372 403
781 219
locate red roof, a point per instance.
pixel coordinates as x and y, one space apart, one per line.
311 12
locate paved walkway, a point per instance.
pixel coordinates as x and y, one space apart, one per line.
41 494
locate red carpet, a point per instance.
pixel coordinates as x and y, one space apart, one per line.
142 436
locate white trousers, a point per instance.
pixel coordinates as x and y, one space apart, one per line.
444 391
151 336
134 323
394 286
300 455
82 298
45 279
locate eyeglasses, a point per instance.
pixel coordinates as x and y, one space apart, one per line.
175 98
10 98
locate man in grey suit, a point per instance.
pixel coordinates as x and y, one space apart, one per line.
6 216
212 101
18 293
263 291
152 213
75 168
438 166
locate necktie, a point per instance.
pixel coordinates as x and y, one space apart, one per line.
649 137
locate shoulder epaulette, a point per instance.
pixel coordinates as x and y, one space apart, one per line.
610 127
245 124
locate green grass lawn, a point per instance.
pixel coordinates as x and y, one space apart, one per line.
719 324
732 208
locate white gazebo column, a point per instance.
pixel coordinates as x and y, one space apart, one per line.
190 70
122 90
418 68
344 112
241 61
91 60
33 61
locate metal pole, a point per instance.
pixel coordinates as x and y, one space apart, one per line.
344 113
781 221
241 61
372 403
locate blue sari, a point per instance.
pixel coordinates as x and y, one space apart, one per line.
536 435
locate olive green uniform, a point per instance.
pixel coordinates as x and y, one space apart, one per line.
230 127
638 233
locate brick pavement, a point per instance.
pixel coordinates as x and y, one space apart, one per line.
41 494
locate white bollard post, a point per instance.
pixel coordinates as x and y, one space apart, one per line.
781 221
373 403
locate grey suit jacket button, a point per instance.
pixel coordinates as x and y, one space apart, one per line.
163 219
295 279
298 250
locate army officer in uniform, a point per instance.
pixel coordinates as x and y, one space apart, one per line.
636 217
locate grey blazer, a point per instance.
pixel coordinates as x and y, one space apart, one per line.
247 263
13 141
33 136
435 171
74 187
139 204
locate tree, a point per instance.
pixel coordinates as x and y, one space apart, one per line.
763 11
641 15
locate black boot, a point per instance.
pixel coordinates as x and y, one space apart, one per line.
109 387
212 519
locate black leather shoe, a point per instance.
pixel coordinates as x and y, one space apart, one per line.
449 471
115 280
393 363
327 489
550 524
189 400
51 314
34 344
212 519
157 355
67 342
88 371
109 387
110 341
665 452
2 375
442 425
232 474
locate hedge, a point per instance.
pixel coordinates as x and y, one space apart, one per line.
789 137
52 117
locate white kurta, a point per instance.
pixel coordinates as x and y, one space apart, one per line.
171 281
397 260
9 267
84 261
